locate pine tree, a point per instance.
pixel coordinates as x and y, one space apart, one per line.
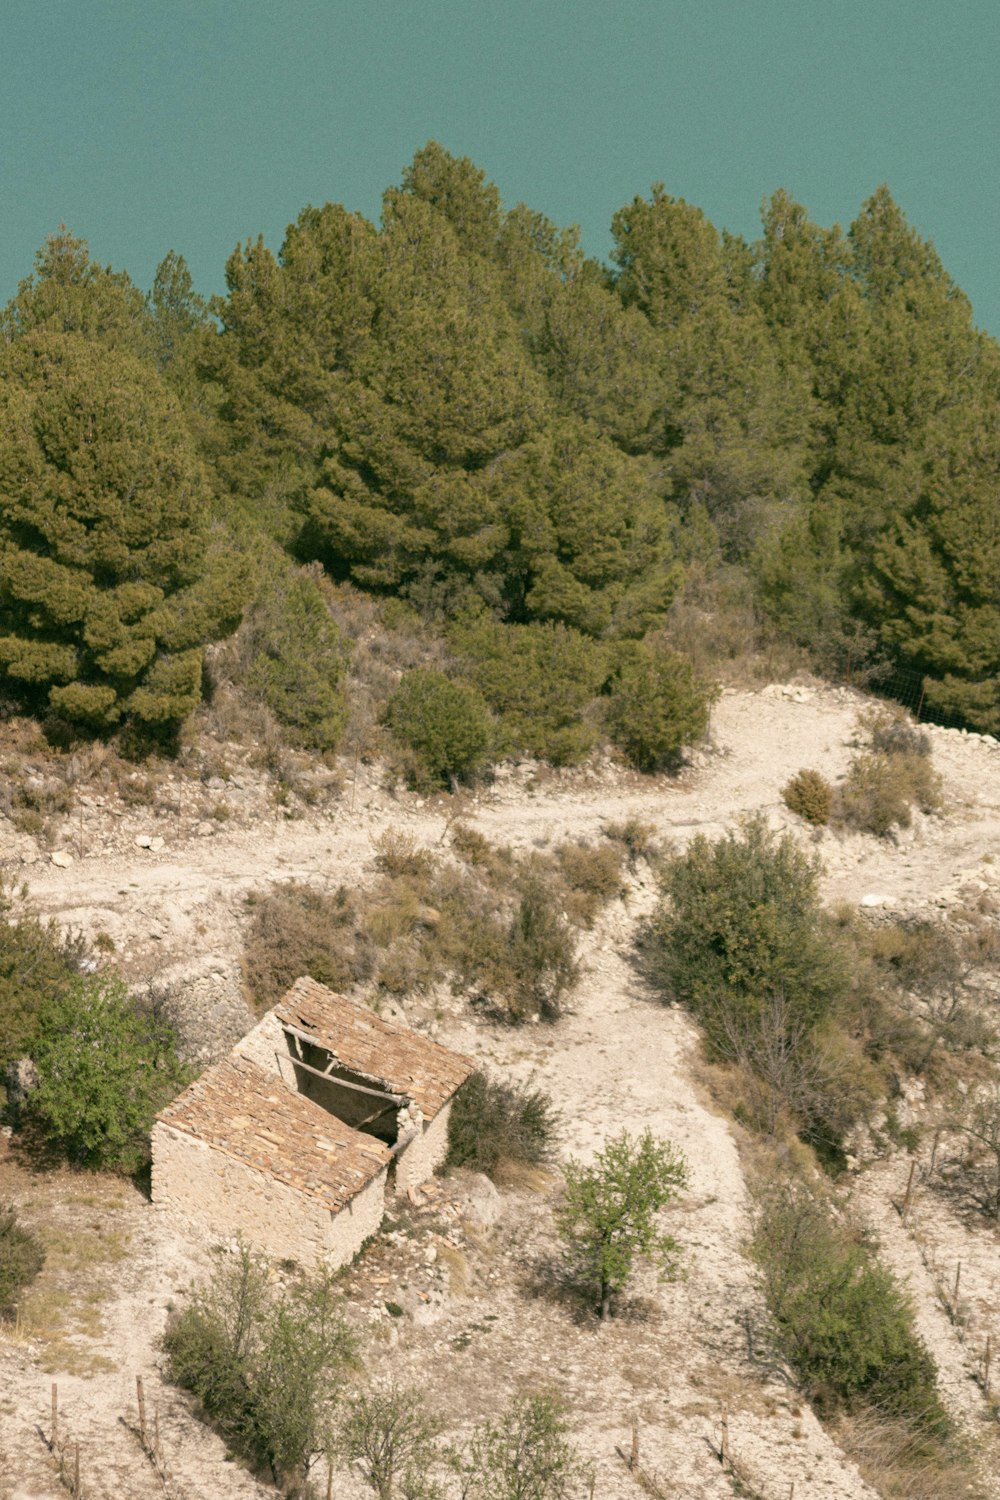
736 417
108 583
68 292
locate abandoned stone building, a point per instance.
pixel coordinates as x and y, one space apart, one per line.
294 1140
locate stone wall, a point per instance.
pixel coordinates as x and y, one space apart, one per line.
417 1161
220 1197
260 1045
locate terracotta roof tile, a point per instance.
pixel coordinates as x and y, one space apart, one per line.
256 1118
393 1057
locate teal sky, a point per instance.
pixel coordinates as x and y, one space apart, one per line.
191 124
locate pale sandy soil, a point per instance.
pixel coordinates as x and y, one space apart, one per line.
616 1061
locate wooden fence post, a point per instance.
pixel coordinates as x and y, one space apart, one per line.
909 1191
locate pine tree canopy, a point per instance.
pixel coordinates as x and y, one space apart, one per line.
108 584
457 408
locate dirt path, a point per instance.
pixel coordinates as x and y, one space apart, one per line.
616 1062
185 898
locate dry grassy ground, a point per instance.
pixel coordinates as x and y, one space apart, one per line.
481 1316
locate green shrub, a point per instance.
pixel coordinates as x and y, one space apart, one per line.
536 965
446 724
811 796
37 962
265 1363
637 838
880 790
540 679
891 731
398 853
740 939
295 930
526 1454
494 1123
840 1317
294 656
655 705
592 876
890 775
609 1214
21 1259
104 1068
475 849
739 922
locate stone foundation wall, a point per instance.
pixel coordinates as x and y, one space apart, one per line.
417 1161
222 1198
348 1230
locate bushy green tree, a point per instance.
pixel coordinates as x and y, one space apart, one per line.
109 584
37 962
460 192
655 704
932 586
104 1068
178 313
267 1364
840 1317
68 292
735 413
609 1214
738 923
540 680
446 724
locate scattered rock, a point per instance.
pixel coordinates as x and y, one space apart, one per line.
142 841
61 858
481 1203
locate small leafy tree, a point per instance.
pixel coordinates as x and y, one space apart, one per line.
526 1454
266 1364
540 964
104 1068
609 1214
390 1434
21 1259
